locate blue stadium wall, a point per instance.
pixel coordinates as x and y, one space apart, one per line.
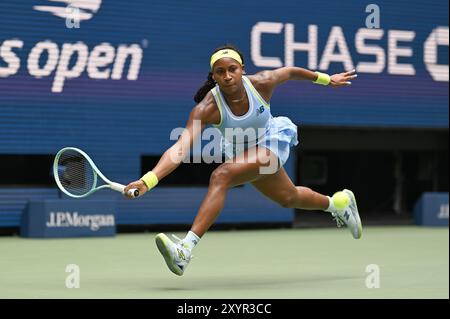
120 82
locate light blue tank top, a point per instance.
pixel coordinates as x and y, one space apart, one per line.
248 128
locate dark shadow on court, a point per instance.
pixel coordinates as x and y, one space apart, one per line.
239 283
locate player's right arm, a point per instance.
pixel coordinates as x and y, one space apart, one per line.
202 115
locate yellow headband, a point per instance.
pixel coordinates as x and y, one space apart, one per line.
225 53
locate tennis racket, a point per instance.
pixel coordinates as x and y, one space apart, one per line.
77 176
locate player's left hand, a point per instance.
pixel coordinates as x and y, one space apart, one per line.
343 79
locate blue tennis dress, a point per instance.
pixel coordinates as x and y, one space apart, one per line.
256 127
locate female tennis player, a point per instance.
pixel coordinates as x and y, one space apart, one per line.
231 100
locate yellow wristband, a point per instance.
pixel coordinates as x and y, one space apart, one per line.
150 180
322 79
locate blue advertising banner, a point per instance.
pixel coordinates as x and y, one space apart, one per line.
432 209
126 73
68 218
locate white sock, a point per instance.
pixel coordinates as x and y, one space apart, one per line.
331 208
191 240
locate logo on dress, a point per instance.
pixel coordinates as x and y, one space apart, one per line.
259 110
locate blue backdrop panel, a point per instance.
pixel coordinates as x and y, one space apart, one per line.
68 218
13 202
432 209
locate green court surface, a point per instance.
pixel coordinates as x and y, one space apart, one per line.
413 262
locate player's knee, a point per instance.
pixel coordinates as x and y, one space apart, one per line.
287 201
220 177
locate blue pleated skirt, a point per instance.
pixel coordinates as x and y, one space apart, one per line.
280 136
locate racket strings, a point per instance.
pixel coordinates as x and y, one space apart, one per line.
75 173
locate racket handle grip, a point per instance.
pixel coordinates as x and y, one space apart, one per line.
134 192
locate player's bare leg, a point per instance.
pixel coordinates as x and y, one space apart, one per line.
245 168
280 189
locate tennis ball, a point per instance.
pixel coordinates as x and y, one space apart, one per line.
340 200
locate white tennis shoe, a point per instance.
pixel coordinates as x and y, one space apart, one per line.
176 254
349 216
